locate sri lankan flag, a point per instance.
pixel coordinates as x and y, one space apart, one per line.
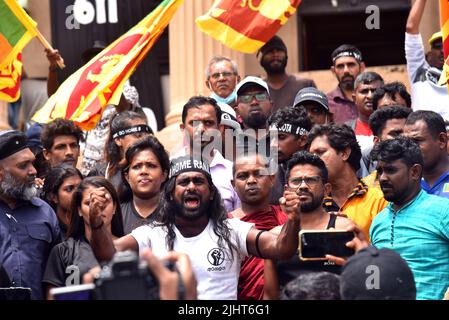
444 20
246 25
84 95
16 30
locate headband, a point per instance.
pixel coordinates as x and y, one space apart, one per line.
353 54
290 128
131 130
188 164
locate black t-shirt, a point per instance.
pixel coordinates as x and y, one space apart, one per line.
132 219
71 258
288 270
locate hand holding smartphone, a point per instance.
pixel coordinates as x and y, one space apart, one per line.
316 244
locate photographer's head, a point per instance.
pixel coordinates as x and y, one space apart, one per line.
307 174
313 286
399 169
79 210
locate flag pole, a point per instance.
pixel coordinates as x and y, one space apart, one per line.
47 45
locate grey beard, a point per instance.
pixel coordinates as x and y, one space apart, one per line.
12 188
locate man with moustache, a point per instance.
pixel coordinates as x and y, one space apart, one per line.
428 130
253 183
347 64
221 78
283 86
201 121
291 124
364 86
61 142
415 224
194 222
337 146
254 106
29 227
307 176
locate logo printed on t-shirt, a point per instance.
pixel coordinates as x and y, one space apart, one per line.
216 257
446 187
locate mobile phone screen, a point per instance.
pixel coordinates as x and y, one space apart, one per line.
318 244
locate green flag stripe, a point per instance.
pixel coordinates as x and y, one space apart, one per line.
10 27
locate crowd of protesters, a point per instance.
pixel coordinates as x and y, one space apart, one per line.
263 159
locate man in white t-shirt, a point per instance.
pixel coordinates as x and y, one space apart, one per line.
428 91
193 221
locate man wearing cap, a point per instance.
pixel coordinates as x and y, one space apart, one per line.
428 86
29 227
283 86
254 106
194 222
201 118
347 64
415 224
292 125
221 78
316 104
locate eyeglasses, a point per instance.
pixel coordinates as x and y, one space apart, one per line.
217 75
247 98
310 181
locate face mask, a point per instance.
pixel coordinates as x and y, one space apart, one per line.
228 100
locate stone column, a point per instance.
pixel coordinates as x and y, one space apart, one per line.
190 51
4 115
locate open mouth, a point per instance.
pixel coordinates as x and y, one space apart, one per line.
191 201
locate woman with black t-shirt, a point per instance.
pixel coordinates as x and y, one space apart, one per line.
71 259
145 172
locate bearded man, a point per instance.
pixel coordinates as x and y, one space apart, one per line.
29 227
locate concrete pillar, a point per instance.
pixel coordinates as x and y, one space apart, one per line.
4 115
190 51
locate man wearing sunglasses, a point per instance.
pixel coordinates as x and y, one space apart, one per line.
254 106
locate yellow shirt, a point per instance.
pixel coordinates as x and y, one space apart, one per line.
362 205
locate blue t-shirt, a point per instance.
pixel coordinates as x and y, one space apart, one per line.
419 232
440 188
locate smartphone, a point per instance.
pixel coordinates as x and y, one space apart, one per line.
77 292
315 244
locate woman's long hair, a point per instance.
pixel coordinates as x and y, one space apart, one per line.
53 181
76 225
216 213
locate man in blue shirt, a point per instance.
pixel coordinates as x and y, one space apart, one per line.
428 130
28 225
415 224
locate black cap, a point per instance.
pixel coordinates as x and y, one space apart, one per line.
188 164
311 94
11 142
374 274
275 43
